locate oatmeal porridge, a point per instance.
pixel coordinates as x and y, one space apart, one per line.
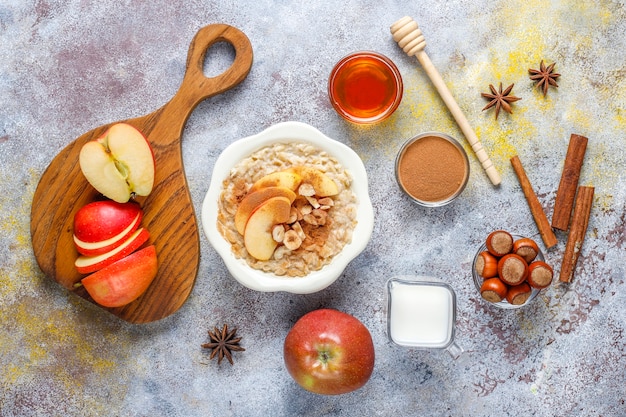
319 224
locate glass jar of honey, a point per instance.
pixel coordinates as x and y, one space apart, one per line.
365 87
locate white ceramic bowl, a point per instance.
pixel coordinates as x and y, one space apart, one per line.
263 281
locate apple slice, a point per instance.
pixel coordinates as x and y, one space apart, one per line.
89 264
254 199
101 226
285 179
119 164
257 236
98 248
324 186
123 281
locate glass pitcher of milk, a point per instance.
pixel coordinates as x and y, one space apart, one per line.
421 313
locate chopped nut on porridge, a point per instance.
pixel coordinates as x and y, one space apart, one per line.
278 233
306 190
322 214
291 240
298 228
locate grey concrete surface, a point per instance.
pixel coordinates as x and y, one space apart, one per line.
68 66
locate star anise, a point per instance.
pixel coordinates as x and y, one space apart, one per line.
545 76
500 99
222 343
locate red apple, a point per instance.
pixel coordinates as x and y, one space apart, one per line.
329 352
123 281
101 226
119 164
88 264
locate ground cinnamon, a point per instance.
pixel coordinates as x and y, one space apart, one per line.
576 237
432 169
569 181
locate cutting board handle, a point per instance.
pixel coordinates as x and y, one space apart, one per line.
206 37
196 86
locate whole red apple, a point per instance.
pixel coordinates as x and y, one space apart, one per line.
329 352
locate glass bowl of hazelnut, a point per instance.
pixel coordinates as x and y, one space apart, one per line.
509 270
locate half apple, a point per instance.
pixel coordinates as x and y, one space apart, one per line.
119 164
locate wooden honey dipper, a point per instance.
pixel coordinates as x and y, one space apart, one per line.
410 38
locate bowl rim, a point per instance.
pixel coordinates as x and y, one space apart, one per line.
268 282
504 304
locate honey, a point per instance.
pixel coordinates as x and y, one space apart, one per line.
365 87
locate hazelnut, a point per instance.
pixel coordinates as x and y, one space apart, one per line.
540 274
512 269
499 243
486 265
493 290
526 248
518 294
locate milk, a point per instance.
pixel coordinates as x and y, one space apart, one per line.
421 314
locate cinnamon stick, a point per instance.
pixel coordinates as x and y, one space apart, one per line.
576 237
547 235
569 181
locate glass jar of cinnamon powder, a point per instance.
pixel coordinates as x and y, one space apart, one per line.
432 169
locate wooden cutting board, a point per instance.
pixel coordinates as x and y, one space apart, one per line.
168 210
